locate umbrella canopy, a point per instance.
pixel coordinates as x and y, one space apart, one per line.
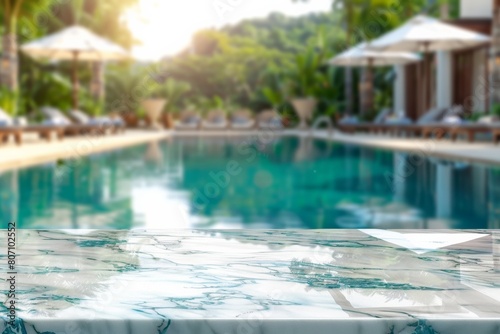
75 43
427 34
362 55
76 39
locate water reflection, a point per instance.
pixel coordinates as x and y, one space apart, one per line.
248 182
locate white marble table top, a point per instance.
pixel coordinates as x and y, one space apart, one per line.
245 282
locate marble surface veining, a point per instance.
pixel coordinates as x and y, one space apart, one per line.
246 282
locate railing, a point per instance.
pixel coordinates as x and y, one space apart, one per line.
323 120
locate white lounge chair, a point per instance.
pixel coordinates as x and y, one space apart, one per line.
215 120
188 120
116 124
8 127
269 119
55 117
242 120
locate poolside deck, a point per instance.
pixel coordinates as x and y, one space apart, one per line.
485 152
35 151
183 282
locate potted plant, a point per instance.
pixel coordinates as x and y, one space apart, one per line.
277 98
302 86
124 93
174 91
153 105
304 107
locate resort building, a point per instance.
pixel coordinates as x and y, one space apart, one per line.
461 77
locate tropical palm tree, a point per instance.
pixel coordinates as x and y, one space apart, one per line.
12 11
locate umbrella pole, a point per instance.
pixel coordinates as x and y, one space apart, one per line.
429 85
367 89
370 88
425 80
76 85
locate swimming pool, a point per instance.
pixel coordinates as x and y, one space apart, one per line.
244 182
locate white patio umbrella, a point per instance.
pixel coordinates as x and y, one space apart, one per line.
426 34
362 55
74 43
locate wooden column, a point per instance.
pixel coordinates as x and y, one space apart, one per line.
97 81
74 79
487 106
366 89
494 55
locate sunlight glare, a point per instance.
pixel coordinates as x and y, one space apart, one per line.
165 27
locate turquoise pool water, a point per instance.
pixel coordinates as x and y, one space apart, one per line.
237 183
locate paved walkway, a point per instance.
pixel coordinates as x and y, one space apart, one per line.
34 152
485 152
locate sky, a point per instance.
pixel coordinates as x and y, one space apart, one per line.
165 27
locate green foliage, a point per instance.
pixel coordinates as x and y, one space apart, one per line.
204 104
475 116
25 12
102 17
275 97
495 109
90 105
45 87
209 42
304 79
126 88
174 92
8 101
259 63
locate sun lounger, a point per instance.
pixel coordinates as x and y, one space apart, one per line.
54 117
9 128
454 126
394 125
115 125
485 125
242 120
269 119
216 120
7 131
495 132
351 124
188 120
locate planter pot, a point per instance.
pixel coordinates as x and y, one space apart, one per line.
130 119
153 108
285 121
304 107
167 120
